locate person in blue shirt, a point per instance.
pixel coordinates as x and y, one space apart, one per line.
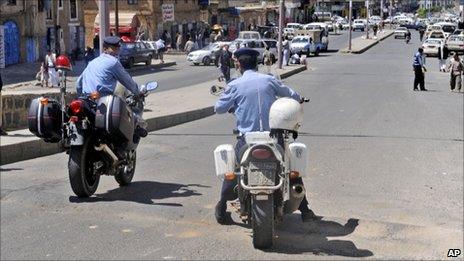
103 73
241 98
419 67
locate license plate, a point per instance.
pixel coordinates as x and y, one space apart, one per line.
262 173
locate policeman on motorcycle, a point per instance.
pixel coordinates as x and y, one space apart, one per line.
241 98
103 73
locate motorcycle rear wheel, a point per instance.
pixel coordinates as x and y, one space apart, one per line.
82 177
262 222
124 175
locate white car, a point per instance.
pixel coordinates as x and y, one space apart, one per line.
290 32
431 46
359 24
303 45
295 26
455 43
207 55
400 32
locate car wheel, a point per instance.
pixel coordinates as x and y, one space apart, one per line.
196 64
206 61
131 62
148 62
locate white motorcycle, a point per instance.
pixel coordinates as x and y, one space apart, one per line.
268 171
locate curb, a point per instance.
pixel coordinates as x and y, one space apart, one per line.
367 47
38 148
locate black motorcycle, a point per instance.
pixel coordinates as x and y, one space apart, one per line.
100 134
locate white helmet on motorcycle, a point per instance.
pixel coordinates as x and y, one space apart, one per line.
286 114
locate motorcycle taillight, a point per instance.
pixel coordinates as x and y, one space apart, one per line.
76 107
261 154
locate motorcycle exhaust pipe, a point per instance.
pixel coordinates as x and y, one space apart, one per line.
297 193
107 150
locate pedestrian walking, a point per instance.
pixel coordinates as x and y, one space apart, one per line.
442 56
375 28
50 59
2 132
44 74
267 60
224 62
421 33
286 51
179 41
419 70
456 69
160 49
189 45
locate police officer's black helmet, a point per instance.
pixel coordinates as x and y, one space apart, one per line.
247 57
112 41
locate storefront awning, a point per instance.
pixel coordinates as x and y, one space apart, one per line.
127 21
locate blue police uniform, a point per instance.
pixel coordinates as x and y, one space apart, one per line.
419 78
250 98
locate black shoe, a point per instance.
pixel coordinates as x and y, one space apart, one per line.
141 132
424 90
308 215
3 133
222 217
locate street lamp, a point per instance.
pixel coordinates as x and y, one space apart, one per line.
350 13
367 19
103 11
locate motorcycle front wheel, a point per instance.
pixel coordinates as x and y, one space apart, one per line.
125 174
81 166
262 222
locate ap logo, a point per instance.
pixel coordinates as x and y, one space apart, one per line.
454 252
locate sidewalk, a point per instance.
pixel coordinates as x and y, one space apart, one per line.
163 110
22 76
361 44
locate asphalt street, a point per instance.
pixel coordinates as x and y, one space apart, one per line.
386 174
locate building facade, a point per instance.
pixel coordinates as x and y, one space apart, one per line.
64 24
24 34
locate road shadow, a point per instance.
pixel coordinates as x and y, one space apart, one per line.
144 192
139 70
332 51
295 237
9 169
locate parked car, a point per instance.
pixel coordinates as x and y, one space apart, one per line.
304 45
359 24
152 46
447 28
207 55
249 35
135 52
458 32
400 32
455 43
295 26
431 46
257 44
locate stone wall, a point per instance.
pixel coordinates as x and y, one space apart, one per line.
15 108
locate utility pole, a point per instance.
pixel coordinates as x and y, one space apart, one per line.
281 28
390 13
350 13
103 11
381 12
367 19
116 16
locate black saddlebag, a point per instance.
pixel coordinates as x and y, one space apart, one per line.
116 117
44 119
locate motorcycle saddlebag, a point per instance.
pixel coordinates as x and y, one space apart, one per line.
116 117
44 119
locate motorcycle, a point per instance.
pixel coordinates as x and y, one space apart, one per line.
268 171
100 134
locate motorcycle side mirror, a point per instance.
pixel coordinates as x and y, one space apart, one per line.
151 86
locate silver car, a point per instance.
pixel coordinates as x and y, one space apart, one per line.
455 43
257 44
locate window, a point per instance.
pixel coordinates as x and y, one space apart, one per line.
50 13
132 2
60 4
73 9
11 2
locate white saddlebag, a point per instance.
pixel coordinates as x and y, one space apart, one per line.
224 160
298 156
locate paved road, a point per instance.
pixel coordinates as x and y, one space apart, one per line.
386 173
